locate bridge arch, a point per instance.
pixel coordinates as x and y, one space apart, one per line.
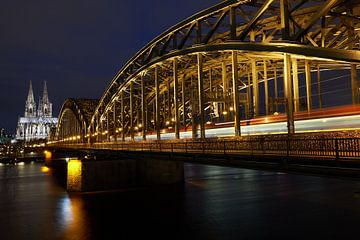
235 61
74 118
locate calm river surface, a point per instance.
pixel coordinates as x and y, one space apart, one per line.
213 203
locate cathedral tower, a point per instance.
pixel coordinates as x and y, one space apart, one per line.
45 107
30 105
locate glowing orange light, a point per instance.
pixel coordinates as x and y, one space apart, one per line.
45 169
48 156
74 168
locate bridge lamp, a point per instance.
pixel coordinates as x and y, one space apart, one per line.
48 156
231 109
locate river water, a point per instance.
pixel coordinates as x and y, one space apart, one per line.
213 203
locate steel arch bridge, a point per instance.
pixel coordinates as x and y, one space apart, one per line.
234 61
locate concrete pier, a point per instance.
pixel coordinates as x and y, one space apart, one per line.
94 175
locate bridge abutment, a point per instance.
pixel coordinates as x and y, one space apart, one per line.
83 175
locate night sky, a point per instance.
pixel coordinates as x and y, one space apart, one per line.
76 46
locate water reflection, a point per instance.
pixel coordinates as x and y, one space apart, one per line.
65 212
72 217
213 203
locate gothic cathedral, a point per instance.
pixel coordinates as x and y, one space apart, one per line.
37 121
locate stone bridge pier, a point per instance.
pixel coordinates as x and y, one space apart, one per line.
82 172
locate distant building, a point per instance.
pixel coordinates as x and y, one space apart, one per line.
37 121
4 138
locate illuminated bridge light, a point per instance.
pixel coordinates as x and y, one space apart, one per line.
48 157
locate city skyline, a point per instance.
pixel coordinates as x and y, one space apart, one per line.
76 51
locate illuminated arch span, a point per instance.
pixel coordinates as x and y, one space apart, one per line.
223 60
74 118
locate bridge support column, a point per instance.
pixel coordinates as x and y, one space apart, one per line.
288 94
157 104
276 88
132 110
210 83
143 108
93 131
176 100
266 88
248 96
101 130
108 126
308 85
354 85
97 128
168 101
296 85
284 14
193 109
319 86
255 87
225 85
183 100
122 116
201 94
235 77
115 130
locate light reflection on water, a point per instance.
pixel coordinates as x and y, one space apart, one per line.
72 217
214 203
65 214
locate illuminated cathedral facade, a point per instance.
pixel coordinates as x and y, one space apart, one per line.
38 120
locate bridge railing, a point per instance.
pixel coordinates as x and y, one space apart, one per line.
337 148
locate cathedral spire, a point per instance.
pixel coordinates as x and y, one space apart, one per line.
45 98
30 98
30 106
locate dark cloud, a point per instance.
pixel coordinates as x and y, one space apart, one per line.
76 46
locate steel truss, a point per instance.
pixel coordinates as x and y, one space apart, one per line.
219 64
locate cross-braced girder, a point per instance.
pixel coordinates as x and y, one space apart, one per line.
236 60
